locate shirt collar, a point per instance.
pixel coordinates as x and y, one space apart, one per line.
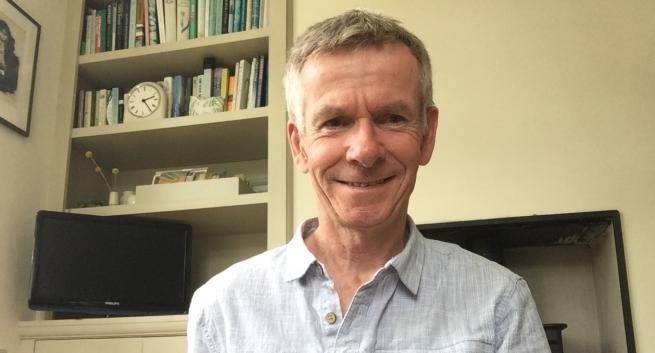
408 263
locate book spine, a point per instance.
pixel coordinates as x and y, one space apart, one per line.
210 18
114 29
109 25
195 88
182 20
193 19
237 16
244 83
231 90
101 108
170 17
88 108
263 13
230 20
133 19
83 37
226 16
79 118
260 82
188 86
119 24
126 23
90 29
237 77
242 19
146 21
225 84
98 33
115 96
201 19
161 23
152 21
177 95
252 87
109 108
248 15
168 88
216 82
255 13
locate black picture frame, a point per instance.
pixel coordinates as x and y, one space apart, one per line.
19 48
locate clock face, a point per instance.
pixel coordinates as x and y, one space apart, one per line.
144 100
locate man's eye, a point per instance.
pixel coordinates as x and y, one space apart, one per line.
335 123
393 119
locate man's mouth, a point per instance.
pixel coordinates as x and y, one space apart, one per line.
359 184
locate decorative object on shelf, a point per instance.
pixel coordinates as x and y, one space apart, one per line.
19 44
112 197
128 197
209 189
199 106
146 101
179 175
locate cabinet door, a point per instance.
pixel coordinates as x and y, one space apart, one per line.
108 345
175 344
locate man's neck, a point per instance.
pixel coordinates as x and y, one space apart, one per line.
352 256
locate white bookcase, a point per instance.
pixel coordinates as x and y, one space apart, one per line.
250 142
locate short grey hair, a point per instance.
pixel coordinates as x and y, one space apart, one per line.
352 29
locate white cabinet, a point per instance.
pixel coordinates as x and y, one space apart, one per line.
102 345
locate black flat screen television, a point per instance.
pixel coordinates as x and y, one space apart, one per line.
114 265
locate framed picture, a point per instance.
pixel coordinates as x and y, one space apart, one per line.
19 45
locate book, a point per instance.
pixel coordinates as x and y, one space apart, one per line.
230 93
255 14
168 88
235 95
170 17
161 23
98 33
225 82
252 83
230 18
101 108
237 16
248 18
89 102
216 82
79 121
208 64
146 21
243 85
260 81
226 16
178 95
103 30
182 20
132 30
126 23
195 90
188 86
120 18
111 29
139 31
193 19
263 13
152 22
201 19
90 32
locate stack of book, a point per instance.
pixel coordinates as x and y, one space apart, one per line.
126 24
241 87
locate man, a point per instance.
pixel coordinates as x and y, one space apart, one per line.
360 277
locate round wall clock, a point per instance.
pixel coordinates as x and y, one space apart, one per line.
146 101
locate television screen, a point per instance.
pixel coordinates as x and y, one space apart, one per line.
110 265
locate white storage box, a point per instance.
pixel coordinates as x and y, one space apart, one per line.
212 189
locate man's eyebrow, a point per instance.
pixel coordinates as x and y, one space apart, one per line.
328 111
394 107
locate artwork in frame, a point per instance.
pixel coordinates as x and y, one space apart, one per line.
19 45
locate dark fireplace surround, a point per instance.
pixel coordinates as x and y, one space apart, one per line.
564 258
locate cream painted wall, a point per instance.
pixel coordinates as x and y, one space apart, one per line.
546 107
33 166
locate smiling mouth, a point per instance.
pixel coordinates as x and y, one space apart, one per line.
365 184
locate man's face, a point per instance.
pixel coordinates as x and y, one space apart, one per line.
363 142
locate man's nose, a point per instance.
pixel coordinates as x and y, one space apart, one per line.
364 145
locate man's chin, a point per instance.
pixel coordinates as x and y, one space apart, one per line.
365 219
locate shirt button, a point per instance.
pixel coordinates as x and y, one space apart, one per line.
331 318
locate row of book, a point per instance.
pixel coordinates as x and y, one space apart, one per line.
123 24
241 87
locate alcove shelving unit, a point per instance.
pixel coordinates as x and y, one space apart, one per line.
250 142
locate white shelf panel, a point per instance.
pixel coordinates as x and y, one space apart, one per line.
235 215
179 141
139 326
124 68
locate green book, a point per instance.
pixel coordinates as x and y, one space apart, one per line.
193 19
103 29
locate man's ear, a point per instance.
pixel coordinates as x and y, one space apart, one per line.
294 138
430 134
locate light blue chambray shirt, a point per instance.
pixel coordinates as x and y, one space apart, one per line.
431 297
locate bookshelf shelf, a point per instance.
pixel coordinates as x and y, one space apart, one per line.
235 215
125 67
178 141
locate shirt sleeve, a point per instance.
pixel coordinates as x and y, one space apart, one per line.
199 338
518 326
